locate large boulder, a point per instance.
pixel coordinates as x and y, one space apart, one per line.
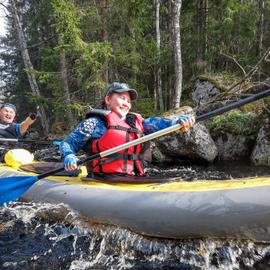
234 134
233 147
195 144
261 151
204 92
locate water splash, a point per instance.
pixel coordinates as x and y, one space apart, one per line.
47 236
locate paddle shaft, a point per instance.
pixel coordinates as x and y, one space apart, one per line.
164 131
9 140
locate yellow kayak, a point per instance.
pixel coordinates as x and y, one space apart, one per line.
167 209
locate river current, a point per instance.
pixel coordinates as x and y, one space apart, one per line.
52 236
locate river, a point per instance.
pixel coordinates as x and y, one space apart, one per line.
52 236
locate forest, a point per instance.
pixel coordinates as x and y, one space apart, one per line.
59 55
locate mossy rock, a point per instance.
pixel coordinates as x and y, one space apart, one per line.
178 111
223 81
235 122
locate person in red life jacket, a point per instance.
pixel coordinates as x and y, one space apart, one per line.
111 126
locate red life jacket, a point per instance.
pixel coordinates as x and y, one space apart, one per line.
128 161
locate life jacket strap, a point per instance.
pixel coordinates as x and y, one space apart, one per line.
115 157
98 149
129 130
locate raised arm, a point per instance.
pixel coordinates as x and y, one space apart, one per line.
27 122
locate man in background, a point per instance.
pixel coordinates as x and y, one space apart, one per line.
9 129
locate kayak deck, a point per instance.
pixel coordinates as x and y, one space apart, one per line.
169 186
184 209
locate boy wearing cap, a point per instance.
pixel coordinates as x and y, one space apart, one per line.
11 130
111 126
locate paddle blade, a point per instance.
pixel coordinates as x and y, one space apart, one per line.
11 188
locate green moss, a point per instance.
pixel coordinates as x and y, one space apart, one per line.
234 122
212 80
222 81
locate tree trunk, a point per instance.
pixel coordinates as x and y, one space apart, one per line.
104 31
64 78
205 48
158 74
176 10
261 26
202 41
260 32
27 62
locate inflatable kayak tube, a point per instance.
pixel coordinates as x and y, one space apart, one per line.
221 209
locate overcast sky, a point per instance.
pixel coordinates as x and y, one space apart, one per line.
2 21
2 33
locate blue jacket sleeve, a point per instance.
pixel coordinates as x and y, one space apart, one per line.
18 132
91 127
154 123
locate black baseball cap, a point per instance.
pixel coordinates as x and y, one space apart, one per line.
9 105
117 87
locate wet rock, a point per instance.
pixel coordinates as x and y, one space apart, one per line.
49 153
261 151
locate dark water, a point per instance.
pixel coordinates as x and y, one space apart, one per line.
218 171
46 236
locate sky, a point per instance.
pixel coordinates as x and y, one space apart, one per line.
2 22
2 33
